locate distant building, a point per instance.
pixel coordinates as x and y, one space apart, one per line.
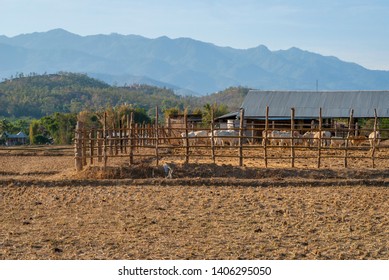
14 139
177 121
335 105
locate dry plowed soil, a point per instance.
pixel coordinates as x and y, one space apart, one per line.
205 211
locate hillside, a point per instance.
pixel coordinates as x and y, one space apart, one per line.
184 65
36 96
39 95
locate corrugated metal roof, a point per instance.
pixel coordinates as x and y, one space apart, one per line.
334 104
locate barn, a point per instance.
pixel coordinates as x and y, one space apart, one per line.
335 105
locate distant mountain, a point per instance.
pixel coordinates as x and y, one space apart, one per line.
185 65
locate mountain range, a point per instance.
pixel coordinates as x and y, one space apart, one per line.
188 66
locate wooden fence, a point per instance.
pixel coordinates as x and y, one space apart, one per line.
134 141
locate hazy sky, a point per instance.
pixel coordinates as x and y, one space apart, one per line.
352 30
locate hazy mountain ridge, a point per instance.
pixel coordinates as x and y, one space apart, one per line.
181 63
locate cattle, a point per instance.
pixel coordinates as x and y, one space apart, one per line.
307 138
357 140
286 138
191 139
374 136
265 137
194 137
282 138
222 137
275 137
325 138
337 141
270 137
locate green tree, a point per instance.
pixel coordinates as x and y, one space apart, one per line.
215 109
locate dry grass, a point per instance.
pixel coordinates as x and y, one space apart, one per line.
206 212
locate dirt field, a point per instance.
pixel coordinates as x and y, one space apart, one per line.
207 211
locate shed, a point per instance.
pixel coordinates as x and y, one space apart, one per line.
307 104
334 104
14 139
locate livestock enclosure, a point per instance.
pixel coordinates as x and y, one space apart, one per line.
48 210
256 144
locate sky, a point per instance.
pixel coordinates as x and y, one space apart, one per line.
352 30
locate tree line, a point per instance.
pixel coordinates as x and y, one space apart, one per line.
47 107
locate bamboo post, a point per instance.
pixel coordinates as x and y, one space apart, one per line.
213 137
137 136
264 142
137 130
350 126
109 141
127 133
115 139
78 146
100 146
186 138
320 136
121 136
148 135
105 140
356 129
156 136
131 136
241 124
92 145
169 126
292 151
143 133
374 137
85 144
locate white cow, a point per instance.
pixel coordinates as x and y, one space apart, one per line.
266 136
307 138
377 136
191 139
194 137
221 137
282 138
325 138
275 137
286 138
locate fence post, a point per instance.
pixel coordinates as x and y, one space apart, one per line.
356 129
169 126
100 145
374 138
78 146
126 128
292 154
92 144
350 126
264 139
131 137
121 136
186 138
213 136
241 124
105 140
156 136
85 143
115 139
319 144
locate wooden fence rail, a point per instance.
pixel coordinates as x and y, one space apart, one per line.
131 140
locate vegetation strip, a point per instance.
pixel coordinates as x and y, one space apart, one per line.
198 182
